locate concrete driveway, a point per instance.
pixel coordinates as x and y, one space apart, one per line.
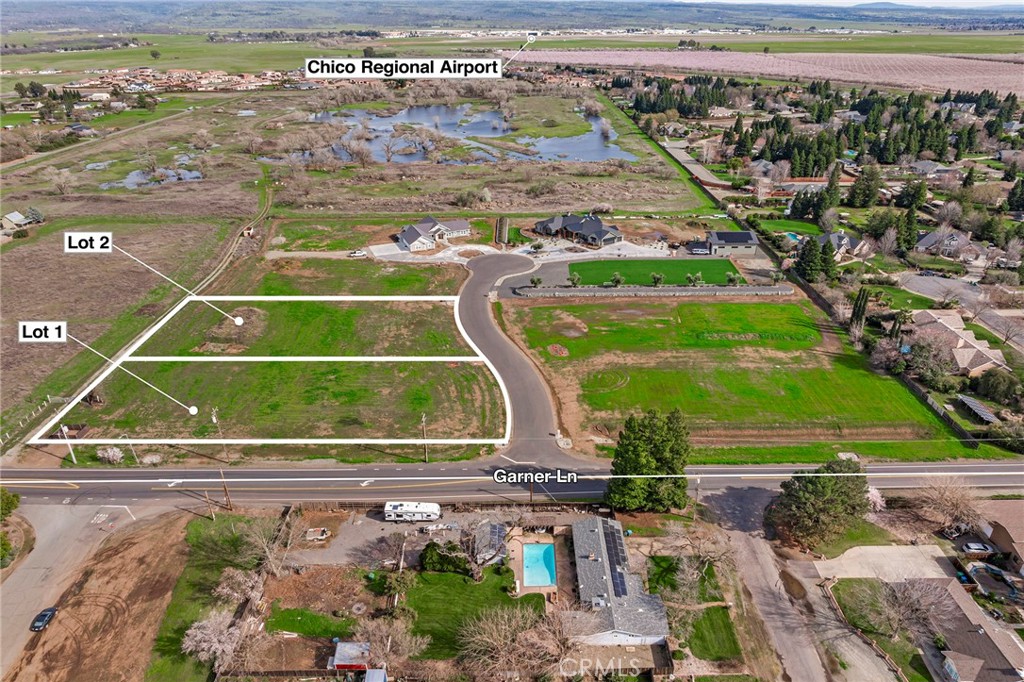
888 563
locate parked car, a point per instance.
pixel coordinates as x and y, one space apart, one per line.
358 253
42 621
700 252
978 548
955 531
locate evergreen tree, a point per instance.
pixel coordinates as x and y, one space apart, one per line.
913 195
860 309
815 509
969 178
828 260
1010 173
1015 202
908 230
650 445
864 192
808 262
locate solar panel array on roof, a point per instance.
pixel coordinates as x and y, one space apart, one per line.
979 409
616 558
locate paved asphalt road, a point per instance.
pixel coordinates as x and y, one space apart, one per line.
533 447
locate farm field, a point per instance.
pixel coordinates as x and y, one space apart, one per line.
918 71
278 400
743 373
598 272
310 328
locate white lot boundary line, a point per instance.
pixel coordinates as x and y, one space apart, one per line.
483 477
127 356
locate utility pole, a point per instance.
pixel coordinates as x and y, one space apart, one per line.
64 432
132 447
531 492
423 424
227 495
220 432
209 505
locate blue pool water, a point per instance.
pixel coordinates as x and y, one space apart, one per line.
538 565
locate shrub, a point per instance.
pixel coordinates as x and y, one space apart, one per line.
541 188
447 558
472 197
152 460
20 234
601 208
110 455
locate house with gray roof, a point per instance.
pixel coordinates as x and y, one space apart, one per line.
735 243
842 243
429 232
584 229
621 613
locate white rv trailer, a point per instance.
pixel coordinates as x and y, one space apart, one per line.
411 511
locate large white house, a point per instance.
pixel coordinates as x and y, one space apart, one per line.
429 232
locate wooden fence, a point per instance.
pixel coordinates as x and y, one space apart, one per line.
965 436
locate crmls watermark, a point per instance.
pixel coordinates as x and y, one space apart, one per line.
589 668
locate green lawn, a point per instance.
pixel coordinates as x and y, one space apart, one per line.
299 400
865 616
310 328
308 623
639 271
713 637
443 601
730 367
661 573
861 533
795 226
901 298
213 546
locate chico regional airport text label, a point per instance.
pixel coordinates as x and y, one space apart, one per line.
329 67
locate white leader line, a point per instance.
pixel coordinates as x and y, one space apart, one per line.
304 358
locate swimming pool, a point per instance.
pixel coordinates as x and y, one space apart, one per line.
538 565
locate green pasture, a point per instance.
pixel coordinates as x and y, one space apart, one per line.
638 272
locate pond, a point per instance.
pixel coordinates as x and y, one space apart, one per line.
462 123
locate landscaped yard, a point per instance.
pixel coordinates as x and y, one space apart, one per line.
214 546
901 298
757 380
864 615
800 227
634 272
860 533
713 637
444 601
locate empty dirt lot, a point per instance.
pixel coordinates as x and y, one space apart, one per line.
109 616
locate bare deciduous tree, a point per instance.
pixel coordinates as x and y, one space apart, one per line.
60 178
488 641
202 139
1009 330
360 153
1014 246
268 544
251 142
952 499
391 640
887 242
914 607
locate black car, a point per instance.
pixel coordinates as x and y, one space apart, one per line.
43 619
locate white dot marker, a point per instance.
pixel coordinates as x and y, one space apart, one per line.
531 39
239 321
193 410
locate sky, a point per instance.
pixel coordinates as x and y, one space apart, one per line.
850 3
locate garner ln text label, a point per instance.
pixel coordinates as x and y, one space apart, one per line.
329 67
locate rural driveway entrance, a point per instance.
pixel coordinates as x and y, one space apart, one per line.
740 511
888 563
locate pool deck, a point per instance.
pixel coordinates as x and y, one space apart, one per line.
564 589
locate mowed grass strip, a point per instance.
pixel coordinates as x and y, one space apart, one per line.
638 272
213 546
444 601
590 329
299 400
308 623
311 328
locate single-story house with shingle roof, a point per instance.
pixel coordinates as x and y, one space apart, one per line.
842 243
429 232
585 229
971 356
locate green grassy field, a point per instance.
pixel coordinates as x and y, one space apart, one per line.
310 328
636 272
299 400
213 545
308 623
865 615
444 601
754 376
